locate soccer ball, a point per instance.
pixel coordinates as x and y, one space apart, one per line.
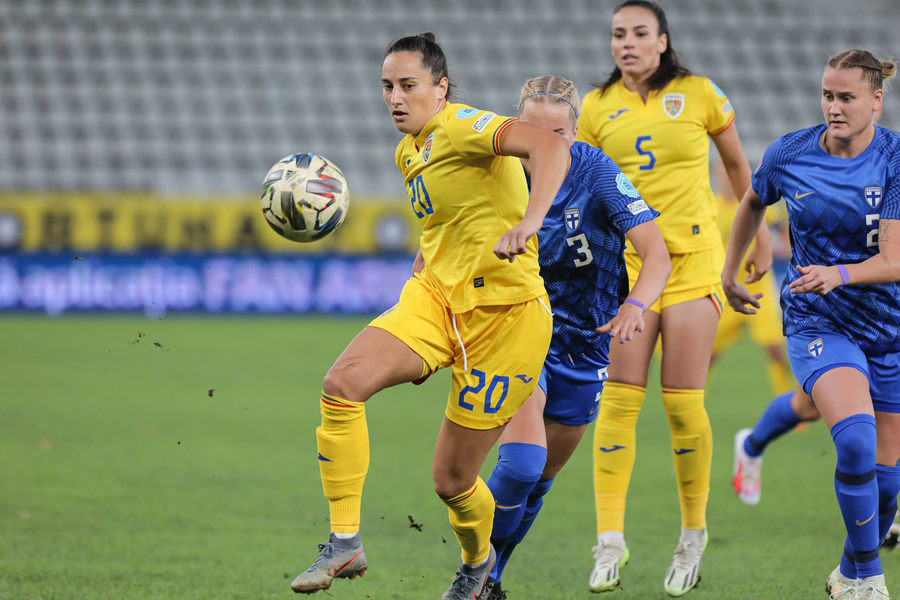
304 197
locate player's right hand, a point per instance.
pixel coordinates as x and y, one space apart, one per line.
739 298
628 321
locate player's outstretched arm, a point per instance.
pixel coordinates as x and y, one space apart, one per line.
655 269
548 161
884 267
746 224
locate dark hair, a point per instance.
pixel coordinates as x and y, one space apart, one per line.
669 66
874 71
433 59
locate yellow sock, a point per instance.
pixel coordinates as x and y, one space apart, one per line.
343 443
692 452
472 516
781 377
614 450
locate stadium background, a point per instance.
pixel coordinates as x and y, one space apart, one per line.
149 450
136 133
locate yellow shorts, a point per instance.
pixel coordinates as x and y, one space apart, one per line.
765 325
694 275
495 352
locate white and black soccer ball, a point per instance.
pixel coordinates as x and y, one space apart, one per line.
304 197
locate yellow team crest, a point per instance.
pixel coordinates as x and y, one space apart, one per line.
426 149
673 104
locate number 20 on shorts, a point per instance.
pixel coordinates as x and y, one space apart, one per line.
491 405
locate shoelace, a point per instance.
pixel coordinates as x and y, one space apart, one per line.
870 592
687 554
463 583
326 551
607 552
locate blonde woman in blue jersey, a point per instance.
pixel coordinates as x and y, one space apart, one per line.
478 306
841 296
654 119
580 251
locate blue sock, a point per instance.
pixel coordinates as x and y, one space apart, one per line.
857 493
888 479
776 420
519 466
532 508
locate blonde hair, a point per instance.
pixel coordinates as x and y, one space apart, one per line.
875 71
552 88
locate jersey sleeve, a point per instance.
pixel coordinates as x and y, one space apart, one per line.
619 197
719 112
763 181
476 133
890 207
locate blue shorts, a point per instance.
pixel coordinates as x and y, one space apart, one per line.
814 352
573 384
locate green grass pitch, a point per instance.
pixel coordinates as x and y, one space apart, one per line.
175 458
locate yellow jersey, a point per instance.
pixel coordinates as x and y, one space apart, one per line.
663 148
466 195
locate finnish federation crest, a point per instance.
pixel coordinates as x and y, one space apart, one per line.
873 195
426 149
815 347
572 218
673 104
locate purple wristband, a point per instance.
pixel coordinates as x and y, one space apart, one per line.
845 276
636 303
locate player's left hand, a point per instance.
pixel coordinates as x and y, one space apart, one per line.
758 263
816 279
513 242
628 321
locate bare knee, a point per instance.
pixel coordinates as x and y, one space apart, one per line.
340 382
803 407
448 484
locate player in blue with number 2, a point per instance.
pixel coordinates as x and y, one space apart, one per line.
841 296
580 251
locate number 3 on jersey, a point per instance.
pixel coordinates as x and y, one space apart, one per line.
418 196
586 256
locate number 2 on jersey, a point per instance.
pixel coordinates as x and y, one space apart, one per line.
872 236
587 257
648 153
418 195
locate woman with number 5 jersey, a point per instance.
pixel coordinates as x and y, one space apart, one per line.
654 119
841 296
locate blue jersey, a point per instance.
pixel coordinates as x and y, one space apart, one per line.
580 247
834 205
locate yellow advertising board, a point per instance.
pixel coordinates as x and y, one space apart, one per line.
134 222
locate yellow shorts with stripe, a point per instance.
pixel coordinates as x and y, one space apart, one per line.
694 275
764 326
495 352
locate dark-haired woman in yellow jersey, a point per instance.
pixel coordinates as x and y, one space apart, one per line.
478 306
654 119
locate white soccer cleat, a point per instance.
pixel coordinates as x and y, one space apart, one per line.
684 572
839 587
747 478
872 588
609 557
